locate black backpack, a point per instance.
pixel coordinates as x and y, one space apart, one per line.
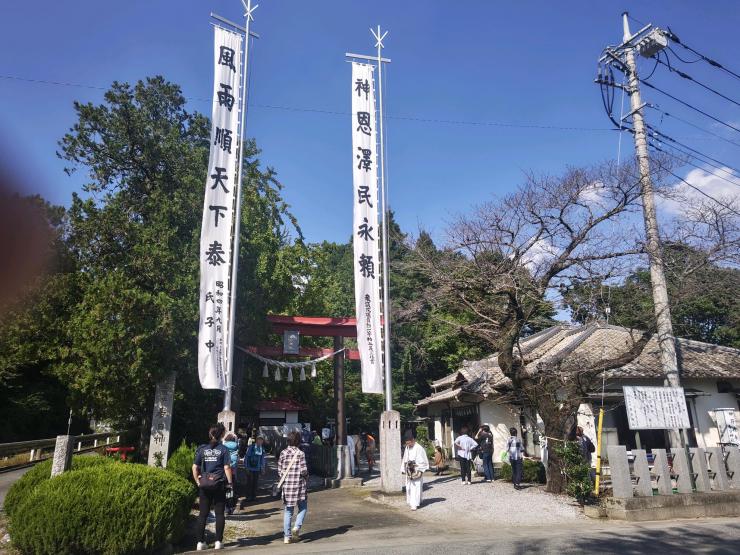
486 444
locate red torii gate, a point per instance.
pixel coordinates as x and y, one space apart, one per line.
312 326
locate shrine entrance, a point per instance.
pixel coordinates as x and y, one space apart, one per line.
291 328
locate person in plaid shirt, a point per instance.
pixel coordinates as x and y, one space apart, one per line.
292 465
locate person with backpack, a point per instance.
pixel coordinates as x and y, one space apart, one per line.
212 472
255 461
515 452
464 448
293 479
230 442
485 448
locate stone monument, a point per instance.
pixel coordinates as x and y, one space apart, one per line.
391 479
620 471
733 466
717 468
681 468
699 460
644 486
62 455
159 438
662 472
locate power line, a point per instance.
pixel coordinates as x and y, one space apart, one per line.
710 197
669 95
685 75
672 140
685 161
343 113
710 61
700 128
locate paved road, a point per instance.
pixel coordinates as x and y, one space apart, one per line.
344 521
7 479
715 536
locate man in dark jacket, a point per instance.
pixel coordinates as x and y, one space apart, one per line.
587 448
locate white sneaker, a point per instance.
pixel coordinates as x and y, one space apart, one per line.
296 534
286 539
218 545
200 547
414 508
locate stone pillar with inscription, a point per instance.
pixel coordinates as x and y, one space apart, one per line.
159 439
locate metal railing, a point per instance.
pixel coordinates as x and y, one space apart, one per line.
41 449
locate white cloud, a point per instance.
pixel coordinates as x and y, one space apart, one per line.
541 251
718 184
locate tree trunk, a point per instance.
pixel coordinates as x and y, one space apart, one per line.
557 419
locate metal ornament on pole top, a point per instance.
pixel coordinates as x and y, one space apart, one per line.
237 220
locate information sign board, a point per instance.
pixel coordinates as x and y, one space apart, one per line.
656 408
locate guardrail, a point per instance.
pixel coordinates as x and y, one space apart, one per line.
41 449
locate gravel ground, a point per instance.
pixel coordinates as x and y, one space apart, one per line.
495 503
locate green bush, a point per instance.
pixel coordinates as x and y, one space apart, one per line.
41 473
577 471
181 461
533 472
108 509
422 438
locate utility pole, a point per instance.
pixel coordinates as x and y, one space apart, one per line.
648 41
666 340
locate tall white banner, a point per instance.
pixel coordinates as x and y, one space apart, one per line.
218 208
366 229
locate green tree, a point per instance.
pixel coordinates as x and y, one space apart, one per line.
704 303
136 239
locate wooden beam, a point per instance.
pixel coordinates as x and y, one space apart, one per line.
314 326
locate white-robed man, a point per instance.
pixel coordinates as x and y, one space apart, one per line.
413 465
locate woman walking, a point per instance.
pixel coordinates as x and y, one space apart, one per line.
293 474
254 462
212 473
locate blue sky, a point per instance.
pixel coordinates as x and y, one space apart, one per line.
525 63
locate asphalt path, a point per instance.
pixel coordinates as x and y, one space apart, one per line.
7 479
715 536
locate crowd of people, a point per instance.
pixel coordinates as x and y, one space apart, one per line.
229 466
467 450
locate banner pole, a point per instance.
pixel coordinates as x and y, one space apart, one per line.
237 220
384 207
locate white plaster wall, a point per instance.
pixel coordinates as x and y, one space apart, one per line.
500 418
438 430
291 417
272 414
585 419
706 433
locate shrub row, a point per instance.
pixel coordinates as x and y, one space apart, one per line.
102 508
41 473
532 472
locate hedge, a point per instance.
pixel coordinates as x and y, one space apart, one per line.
40 473
181 461
106 509
532 472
